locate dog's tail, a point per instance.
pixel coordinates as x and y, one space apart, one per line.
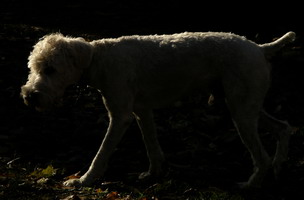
272 47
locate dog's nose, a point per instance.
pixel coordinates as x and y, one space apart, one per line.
32 99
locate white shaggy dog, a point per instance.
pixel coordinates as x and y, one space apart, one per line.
138 73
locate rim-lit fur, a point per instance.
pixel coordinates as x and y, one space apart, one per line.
136 74
55 63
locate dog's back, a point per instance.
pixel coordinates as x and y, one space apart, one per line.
163 67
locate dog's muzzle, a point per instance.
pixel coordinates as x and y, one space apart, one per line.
32 99
38 100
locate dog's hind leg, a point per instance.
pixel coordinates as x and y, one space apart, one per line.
247 129
282 132
245 109
145 121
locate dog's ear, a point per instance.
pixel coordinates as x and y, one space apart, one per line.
81 52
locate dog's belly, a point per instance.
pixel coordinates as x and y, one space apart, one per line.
164 90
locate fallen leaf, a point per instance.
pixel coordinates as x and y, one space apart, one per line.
44 173
43 181
112 196
73 176
99 190
72 197
49 171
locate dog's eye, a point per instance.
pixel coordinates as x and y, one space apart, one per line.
49 71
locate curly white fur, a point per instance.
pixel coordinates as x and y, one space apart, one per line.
138 73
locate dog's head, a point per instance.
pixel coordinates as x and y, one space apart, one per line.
55 63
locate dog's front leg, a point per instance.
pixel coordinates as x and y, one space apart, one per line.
117 127
145 121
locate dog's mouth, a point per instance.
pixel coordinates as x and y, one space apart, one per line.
40 101
55 104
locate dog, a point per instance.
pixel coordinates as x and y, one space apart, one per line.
136 74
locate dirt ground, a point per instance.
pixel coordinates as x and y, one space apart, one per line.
205 155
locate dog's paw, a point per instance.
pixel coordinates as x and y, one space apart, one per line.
155 173
73 183
151 176
243 185
247 186
145 176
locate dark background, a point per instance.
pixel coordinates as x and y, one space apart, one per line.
117 17
193 135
